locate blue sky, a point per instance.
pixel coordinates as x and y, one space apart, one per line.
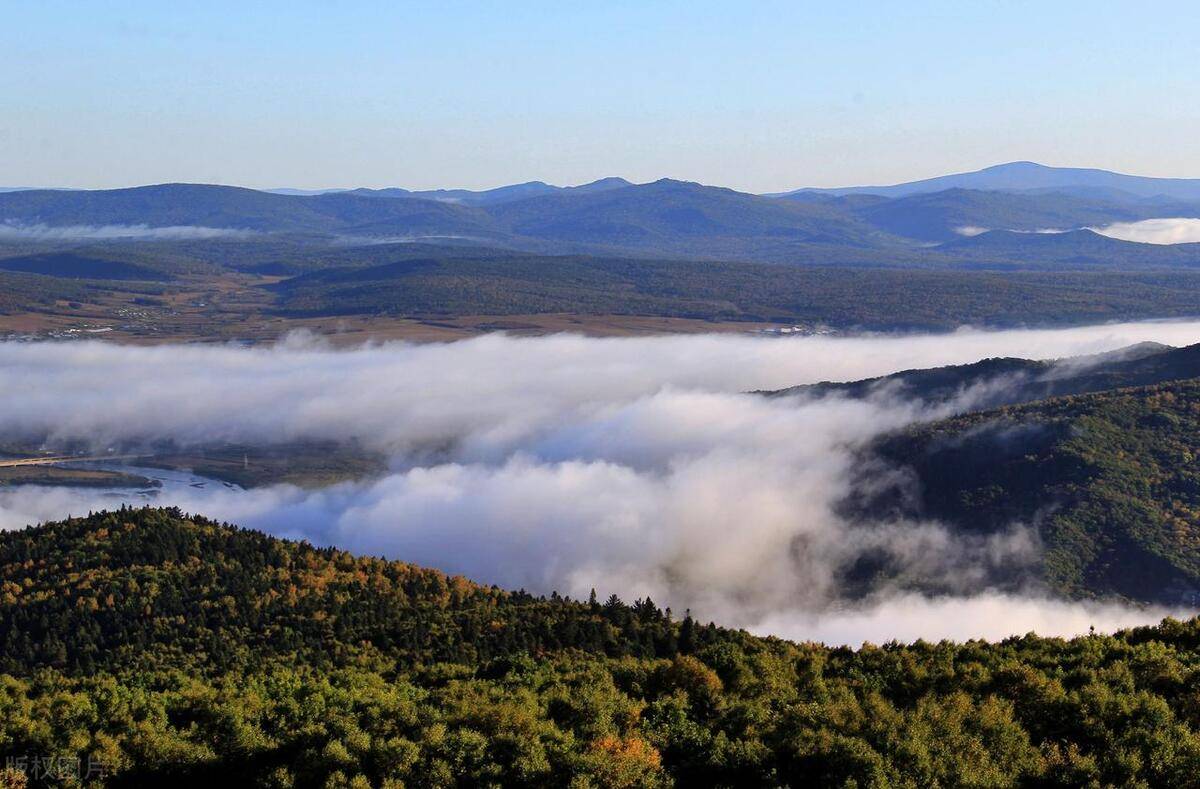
759 96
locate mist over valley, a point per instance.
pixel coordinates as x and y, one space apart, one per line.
599 396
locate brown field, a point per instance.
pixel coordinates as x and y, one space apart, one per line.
232 308
71 477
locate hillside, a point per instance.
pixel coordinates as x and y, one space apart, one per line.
685 218
69 265
1006 381
233 208
1107 480
20 292
941 216
227 597
307 667
1075 249
446 283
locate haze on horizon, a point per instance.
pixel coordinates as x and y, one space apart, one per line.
475 95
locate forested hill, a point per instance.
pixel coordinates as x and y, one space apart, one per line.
1110 482
145 648
149 587
1009 381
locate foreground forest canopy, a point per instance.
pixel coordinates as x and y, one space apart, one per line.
153 647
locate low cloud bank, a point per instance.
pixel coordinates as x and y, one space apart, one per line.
989 615
632 466
973 230
1155 231
485 398
368 241
42 232
1180 230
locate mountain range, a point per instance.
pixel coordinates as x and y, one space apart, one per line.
501 194
1028 177
1033 177
926 222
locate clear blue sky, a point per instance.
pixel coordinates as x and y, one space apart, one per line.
758 96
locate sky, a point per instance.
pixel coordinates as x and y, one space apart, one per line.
757 96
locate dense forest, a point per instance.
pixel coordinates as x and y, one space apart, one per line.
142 647
841 297
432 282
1109 480
20 292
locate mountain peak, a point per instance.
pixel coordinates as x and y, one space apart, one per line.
1019 165
1021 176
611 182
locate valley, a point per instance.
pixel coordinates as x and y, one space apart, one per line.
599 396
240 308
206 263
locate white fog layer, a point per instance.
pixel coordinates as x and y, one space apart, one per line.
1181 230
632 466
42 232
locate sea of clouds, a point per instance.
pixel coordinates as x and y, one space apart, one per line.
635 466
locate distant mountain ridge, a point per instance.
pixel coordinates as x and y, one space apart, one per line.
1082 249
1026 176
942 216
500 194
672 218
235 208
908 226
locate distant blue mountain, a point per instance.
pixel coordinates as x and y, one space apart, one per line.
664 218
497 196
669 218
1074 249
941 216
1030 176
33 188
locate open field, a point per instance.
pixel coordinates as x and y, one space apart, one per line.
664 298
70 476
302 463
235 307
